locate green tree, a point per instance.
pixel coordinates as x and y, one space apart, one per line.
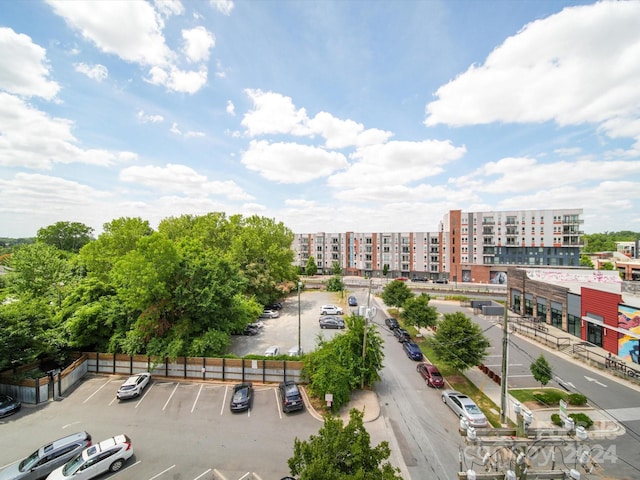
342 452
385 270
459 342
39 270
417 311
585 261
541 370
336 269
312 268
334 284
396 293
23 325
607 266
337 365
68 236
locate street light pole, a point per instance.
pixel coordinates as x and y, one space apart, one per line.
299 349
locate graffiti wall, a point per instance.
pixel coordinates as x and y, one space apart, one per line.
629 345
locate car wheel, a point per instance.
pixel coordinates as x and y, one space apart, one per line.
444 400
117 465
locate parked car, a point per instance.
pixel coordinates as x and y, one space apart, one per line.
106 456
412 350
272 351
402 335
331 322
331 310
242 397
8 405
133 386
290 396
441 280
353 301
269 314
392 323
295 352
431 375
274 306
250 330
47 458
465 408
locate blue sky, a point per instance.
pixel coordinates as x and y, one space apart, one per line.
325 115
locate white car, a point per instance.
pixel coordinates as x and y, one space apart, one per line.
106 456
270 314
331 310
133 386
272 351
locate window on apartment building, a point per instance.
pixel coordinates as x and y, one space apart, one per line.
405 249
319 256
335 240
319 248
335 256
368 240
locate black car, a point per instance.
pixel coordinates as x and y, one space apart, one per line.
242 397
353 301
412 350
274 306
331 322
392 323
8 405
290 396
402 335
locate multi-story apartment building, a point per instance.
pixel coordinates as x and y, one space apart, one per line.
477 246
412 255
468 247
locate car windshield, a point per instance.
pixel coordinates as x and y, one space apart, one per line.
473 409
240 395
435 374
28 462
126 387
73 465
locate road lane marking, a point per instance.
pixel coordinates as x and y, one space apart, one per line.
103 385
170 397
278 403
590 379
163 472
69 424
197 397
244 476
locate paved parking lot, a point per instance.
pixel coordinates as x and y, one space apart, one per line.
179 430
283 331
185 430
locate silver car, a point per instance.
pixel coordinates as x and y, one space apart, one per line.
133 386
465 408
47 458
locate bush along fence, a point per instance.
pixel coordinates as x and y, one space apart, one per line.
56 382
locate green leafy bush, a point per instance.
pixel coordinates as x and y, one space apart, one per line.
580 419
576 399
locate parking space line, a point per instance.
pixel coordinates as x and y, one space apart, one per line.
224 400
162 472
197 397
202 474
275 392
171 396
103 385
245 475
144 396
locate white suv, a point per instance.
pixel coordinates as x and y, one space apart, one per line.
133 386
331 310
106 456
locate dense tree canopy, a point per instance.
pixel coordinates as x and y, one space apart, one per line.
395 293
69 236
342 452
417 311
180 290
459 342
606 242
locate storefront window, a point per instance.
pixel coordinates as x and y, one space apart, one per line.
556 317
594 334
542 312
573 325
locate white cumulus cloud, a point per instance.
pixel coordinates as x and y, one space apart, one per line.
95 72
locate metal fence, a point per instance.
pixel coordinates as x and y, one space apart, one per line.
539 331
197 368
586 352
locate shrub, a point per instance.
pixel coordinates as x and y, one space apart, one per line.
549 397
576 399
580 420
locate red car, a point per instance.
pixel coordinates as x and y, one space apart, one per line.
431 375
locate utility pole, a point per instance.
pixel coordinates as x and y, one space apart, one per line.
504 400
364 336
